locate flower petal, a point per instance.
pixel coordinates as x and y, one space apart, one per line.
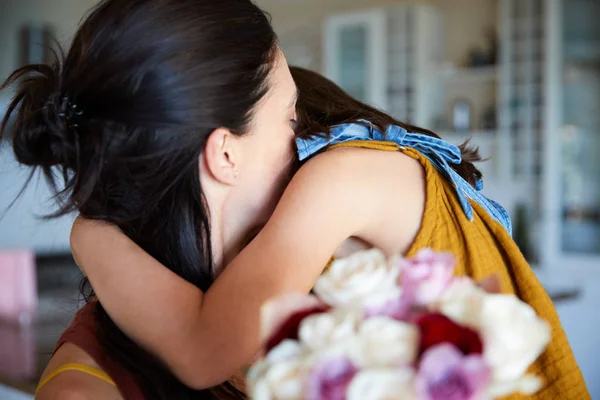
462 302
383 342
514 335
330 379
426 276
351 280
320 330
527 385
382 384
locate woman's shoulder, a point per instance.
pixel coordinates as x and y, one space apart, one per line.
355 168
364 189
74 382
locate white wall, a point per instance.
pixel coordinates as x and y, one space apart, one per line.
304 17
579 318
62 15
21 226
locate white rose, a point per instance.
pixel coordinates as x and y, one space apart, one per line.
285 350
382 384
281 375
381 299
281 381
323 330
513 334
383 342
353 279
526 385
462 302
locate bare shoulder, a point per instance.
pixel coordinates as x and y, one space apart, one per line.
74 385
358 175
357 164
334 183
376 187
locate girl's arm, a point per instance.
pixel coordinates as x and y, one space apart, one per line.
204 339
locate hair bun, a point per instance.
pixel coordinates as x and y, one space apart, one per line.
42 131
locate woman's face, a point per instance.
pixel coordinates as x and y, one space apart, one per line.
268 149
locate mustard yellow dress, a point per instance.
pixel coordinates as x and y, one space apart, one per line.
483 247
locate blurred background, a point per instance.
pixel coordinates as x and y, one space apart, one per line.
521 78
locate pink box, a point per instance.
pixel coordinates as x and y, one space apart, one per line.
18 286
18 352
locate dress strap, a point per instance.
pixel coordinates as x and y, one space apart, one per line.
86 369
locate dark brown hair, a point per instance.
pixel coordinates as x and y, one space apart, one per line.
118 125
322 104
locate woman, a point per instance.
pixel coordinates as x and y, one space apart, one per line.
347 196
172 119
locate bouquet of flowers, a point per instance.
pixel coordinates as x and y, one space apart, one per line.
380 328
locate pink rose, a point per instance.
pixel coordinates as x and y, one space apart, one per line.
445 373
330 380
397 307
425 277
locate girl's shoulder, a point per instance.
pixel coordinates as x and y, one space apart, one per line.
362 189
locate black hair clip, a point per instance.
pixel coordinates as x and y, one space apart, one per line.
68 112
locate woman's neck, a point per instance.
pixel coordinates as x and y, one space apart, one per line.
230 234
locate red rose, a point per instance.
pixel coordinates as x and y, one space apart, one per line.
289 328
436 329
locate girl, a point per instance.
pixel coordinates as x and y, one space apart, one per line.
370 182
173 120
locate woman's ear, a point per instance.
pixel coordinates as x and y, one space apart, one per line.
222 156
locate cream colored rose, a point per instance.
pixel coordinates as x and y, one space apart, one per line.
382 384
525 385
381 299
285 350
384 342
462 302
513 334
324 330
282 381
353 279
281 375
